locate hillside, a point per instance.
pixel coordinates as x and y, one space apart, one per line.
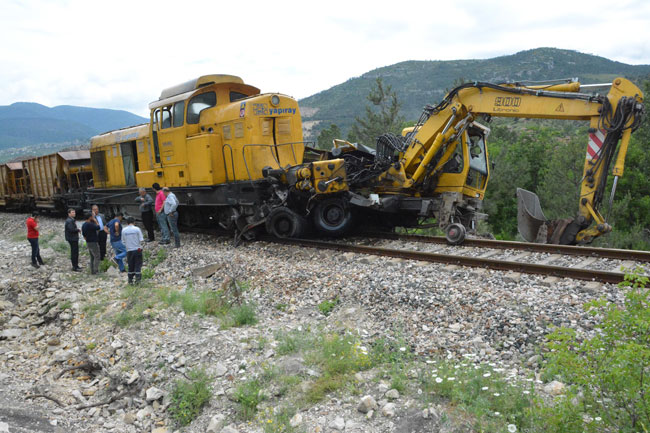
27 123
418 83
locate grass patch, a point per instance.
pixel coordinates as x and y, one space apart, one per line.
249 395
137 301
293 341
19 237
277 420
243 315
189 396
104 265
494 400
204 302
327 306
160 257
336 356
91 310
65 305
147 273
61 247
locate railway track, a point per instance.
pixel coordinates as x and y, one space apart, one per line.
570 250
537 266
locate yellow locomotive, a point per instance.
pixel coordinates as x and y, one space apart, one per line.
208 139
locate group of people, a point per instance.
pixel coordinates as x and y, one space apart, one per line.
126 241
166 208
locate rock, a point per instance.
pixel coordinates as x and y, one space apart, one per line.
337 423
129 418
4 427
154 393
392 394
229 429
160 430
533 360
134 376
14 321
295 420
291 366
220 369
78 396
216 423
117 344
144 413
554 388
388 410
54 341
367 404
113 272
455 327
11 333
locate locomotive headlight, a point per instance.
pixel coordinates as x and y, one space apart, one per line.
275 100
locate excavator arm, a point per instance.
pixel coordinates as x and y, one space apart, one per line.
612 117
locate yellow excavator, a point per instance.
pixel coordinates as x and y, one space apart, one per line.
440 168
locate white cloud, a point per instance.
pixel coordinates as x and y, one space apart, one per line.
120 54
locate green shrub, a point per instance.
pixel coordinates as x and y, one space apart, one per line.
610 368
147 273
293 341
243 315
327 306
104 265
188 396
248 396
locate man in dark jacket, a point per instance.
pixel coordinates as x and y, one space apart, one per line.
89 230
72 236
146 210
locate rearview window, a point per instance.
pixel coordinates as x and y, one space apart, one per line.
198 104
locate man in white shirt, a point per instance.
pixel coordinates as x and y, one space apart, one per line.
132 239
171 211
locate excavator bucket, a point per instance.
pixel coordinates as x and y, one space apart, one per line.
529 216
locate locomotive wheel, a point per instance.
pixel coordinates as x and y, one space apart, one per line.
332 217
282 222
455 233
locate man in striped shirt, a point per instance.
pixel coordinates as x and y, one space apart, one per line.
132 239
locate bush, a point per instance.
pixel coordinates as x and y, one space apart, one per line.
610 368
327 306
188 396
248 395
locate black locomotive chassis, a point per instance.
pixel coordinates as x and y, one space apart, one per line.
199 205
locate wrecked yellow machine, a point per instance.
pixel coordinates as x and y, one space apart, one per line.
440 168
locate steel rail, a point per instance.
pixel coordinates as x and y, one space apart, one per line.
610 253
528 268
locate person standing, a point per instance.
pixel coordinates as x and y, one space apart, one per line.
114 229
132 239
171 212
160 213
102 234
89 230
72 236
32 237
146 210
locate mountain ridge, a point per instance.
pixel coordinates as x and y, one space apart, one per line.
421 82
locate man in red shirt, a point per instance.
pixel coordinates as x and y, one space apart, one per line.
160 213
32 237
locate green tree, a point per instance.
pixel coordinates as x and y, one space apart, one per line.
327 135
381 117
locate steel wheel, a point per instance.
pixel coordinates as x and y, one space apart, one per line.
455 233
282 222
332 217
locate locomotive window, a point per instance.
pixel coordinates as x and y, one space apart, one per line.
236 96
198 104
166 118
156 114
477 159
99 165
179 108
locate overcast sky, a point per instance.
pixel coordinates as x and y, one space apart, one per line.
121 54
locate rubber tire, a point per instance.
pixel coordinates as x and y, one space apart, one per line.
332 217
282 222
455 233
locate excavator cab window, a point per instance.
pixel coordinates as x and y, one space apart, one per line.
477 159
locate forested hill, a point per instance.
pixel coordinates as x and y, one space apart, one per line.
27 123
418 83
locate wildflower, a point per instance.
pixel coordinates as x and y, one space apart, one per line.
438 380
451 379
512 428
487 375
526 392
598 419
485 388
497 413
496 394
402 349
